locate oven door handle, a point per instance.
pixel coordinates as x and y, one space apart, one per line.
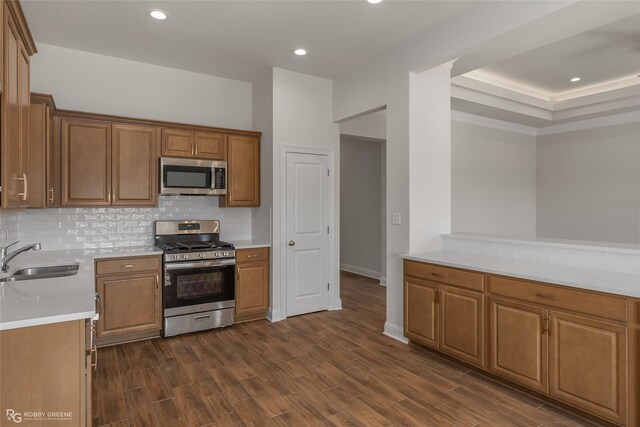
199 264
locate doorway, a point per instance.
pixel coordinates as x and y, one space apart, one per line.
363 249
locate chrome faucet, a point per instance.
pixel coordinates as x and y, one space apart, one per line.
5 256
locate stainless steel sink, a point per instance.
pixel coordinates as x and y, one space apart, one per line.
32 273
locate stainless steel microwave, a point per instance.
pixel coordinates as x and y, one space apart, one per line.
193 176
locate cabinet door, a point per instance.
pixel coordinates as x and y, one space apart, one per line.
421 311
86 163
519 343
39 138
131 303
588 365
43 367
243 171
15 119
209 146
134 165
462 324
252 289
177 143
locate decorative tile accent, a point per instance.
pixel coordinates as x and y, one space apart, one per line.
90 228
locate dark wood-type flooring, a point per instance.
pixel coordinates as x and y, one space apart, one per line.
328 368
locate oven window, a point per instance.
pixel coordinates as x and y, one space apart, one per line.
195 286
187 177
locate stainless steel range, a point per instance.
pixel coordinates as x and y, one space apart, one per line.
199 276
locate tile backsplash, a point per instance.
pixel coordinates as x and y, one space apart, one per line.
108 227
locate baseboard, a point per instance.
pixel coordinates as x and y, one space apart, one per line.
274 315
383 281
361 271
396 332
336 305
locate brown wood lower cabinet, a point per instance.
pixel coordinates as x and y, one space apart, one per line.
421 311
46 369
131 299
588 364
518 349
444 317
578 347
252 284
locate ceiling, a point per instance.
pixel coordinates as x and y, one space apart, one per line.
238 39
610 52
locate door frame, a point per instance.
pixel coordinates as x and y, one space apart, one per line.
334 302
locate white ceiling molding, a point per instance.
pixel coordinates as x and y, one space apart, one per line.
473 119
598 122
507 101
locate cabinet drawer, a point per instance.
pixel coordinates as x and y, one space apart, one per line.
606 306
128 265
463 279
257 254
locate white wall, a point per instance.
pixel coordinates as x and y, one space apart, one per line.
302 116
384 81
373 125
102 84
361 205
263 121
493 180
588 184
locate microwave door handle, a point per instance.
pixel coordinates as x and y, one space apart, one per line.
199 264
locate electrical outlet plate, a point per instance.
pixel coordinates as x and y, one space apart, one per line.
395 219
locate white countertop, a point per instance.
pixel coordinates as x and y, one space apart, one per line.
250 244
596 280
42 301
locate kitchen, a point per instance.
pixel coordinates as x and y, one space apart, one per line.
98 200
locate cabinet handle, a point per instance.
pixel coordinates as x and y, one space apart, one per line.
544 296
238 272
94 357
437 274
99 301
252 256
52 195
26 186
157 281
128 265
548 327
193 151
436 296
195 145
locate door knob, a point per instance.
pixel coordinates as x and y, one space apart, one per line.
292 243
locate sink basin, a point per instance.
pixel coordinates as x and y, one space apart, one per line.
42 272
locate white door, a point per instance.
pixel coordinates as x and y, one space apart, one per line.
307 210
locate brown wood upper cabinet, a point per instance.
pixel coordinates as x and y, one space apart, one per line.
17 47
252 284
134 165
200 145
243 171
444 317
44 156
107 164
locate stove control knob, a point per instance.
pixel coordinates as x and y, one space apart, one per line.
186 256
202 255
177 256
217 254
226 253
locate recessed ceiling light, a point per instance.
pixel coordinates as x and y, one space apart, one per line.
373 1
575 79
300 51
158 14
